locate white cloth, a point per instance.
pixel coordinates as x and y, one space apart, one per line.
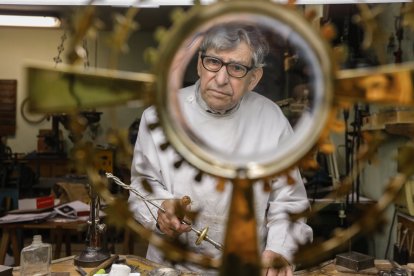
256 125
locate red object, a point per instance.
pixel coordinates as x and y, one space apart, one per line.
45 202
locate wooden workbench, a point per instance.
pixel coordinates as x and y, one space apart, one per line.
329 268
145 266
65 266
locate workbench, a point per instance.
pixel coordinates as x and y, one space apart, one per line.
145 266
65 266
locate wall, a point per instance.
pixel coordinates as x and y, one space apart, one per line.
21 44
17 46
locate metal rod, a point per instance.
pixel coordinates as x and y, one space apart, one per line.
217 245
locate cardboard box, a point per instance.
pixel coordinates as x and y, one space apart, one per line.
37 203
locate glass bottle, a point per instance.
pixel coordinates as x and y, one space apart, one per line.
35 259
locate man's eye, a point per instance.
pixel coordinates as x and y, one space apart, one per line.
237 67
214 61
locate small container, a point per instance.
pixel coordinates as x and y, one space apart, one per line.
120 270
35 259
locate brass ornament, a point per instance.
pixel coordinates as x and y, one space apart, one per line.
240 247
124 26
342 98
84 24
190 149
373 36
408 15
80 88
367 18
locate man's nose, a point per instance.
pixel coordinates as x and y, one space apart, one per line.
222 77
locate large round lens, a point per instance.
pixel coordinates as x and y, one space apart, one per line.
296 77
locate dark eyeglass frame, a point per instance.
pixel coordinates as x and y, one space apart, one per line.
248 69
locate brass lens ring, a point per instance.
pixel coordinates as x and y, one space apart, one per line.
185 141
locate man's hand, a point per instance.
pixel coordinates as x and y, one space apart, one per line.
168 222
276 264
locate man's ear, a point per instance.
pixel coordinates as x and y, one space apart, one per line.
199 65
255 77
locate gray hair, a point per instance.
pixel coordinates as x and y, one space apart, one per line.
229 36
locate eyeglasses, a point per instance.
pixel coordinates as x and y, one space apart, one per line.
214 64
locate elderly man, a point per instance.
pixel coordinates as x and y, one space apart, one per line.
222 107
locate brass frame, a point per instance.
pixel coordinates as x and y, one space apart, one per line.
49 87
188 148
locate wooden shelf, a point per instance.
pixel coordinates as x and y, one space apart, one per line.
394 122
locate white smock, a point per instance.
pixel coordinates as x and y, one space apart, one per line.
255 125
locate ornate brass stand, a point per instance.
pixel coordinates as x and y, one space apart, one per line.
241 257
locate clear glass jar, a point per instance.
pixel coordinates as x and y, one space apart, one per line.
35 259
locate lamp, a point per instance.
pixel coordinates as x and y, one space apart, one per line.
29 21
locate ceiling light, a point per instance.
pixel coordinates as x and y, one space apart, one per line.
29 21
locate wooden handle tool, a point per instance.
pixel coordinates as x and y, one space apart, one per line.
105 264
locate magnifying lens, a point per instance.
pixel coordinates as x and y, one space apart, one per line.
297 75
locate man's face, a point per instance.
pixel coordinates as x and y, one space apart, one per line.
221 91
